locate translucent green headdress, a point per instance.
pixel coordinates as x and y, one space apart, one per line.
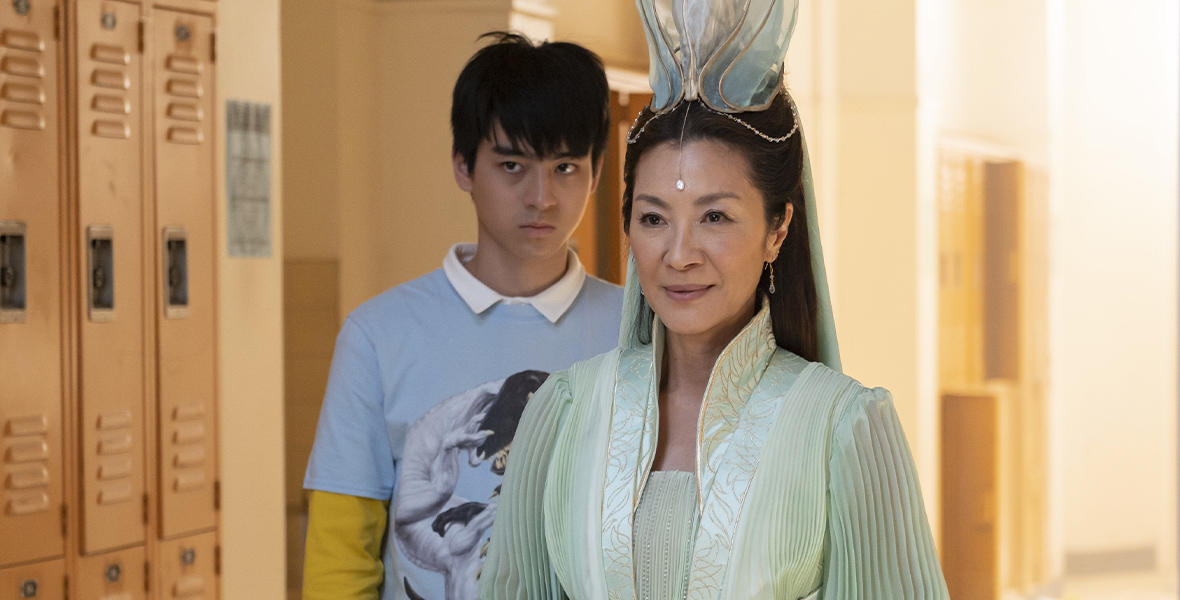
727 54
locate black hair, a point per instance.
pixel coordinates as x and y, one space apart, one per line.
546 96
776 170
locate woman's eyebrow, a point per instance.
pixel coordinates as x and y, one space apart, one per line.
706 199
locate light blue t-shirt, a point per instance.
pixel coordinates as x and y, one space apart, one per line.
422 403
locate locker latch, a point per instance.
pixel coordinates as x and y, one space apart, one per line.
22 8
28 589
114 573
188 557
100 244
183 33
13 284
175 273
109 20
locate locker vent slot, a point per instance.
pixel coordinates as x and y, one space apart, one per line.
25 93
110 54
111 104
109 78
116 493
22 66
26 456
118 130
22 40
175 273
100 244
185 111
185 88
185 135
13 308
118 443
183 64
192 585
22 119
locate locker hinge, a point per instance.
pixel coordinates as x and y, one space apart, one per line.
141 37
217 495
147 576
217 560
145 509
213 47
65 522
56 23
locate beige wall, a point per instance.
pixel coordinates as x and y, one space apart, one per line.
609 27
250 329
1113 294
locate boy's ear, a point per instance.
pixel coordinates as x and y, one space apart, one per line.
597 173
462 172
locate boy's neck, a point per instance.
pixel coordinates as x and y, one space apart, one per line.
512 276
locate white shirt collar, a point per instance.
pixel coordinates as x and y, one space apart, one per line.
552 302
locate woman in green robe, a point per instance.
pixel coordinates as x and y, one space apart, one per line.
718 452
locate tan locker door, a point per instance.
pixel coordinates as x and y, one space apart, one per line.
30 286
40 581
112 576
970 474
187 568
111 212
184 269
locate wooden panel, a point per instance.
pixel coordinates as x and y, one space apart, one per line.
110 201
609 240
184 199
188 568
30 288
40 581
1003 202
970 532
111 576
960 263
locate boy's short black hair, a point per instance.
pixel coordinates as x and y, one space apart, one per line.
544 96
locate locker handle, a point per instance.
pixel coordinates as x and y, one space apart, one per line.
28 589
175 273
13 308
101 290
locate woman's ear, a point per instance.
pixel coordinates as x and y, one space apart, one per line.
776 237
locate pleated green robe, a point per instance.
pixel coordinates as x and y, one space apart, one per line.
806 487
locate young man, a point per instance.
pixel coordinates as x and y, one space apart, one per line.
430 378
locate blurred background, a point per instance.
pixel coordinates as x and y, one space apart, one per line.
998 184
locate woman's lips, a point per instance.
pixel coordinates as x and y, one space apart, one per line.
537 229
686 293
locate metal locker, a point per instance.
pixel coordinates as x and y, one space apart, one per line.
185 207
188 568
110 205
30 286
39 581
112 576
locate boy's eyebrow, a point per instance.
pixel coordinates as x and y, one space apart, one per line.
510 151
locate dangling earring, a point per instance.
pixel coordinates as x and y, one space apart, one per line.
771 268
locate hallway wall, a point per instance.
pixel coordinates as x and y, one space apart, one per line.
1113 290
250 335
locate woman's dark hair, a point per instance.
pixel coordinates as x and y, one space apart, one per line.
776 171
551 97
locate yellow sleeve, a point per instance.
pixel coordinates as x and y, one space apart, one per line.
343 556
